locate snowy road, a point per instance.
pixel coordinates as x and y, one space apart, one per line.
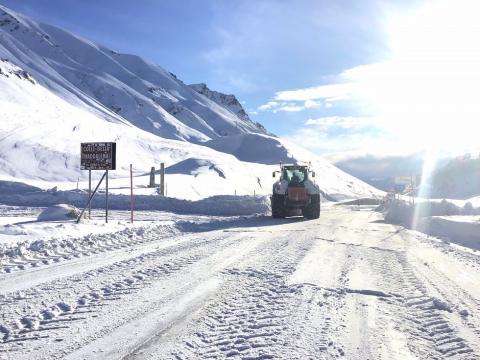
344 286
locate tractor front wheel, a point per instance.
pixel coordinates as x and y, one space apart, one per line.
312 211
278 206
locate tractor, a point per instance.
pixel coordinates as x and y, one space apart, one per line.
295 192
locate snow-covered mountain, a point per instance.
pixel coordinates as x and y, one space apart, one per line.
57 90
126 85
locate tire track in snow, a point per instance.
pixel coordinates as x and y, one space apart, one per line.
126 277
426 318
253 316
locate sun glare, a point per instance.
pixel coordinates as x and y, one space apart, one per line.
428 91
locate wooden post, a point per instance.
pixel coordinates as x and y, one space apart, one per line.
152 177
131 194
106 197
162 179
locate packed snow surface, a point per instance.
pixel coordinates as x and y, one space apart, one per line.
345 286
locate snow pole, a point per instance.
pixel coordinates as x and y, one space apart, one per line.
131 194
89 193
106 196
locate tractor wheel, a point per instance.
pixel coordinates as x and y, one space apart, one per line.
278 209
312 211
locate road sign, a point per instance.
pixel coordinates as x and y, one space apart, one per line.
405 180
98 156
399 188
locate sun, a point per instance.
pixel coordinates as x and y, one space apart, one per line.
428 91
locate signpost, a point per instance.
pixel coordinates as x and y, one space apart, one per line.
97 156
407 185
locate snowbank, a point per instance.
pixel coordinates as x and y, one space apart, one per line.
463 230
402 213
59 212
442 219
222 205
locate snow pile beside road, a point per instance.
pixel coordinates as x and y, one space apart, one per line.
461 230
221 205
34 246
442 219
403 213
59 212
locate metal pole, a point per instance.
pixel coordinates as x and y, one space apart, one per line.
106 196
131 194
90 199
89 193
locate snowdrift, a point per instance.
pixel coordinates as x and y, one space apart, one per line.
217 205
59 212
437 218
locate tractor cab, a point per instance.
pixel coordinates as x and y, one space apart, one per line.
295 175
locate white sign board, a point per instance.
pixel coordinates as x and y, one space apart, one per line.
405 180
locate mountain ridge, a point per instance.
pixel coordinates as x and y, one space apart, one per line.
119 85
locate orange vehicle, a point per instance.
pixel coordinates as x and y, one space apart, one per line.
295 192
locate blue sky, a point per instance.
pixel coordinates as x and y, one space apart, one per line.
309 70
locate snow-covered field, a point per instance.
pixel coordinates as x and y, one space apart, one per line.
344 286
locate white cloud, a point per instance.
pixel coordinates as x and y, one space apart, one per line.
345 122
310 104
330 91
334 134
275 106
290 108
269 106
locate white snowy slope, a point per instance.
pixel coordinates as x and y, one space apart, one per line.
40 136
58 90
